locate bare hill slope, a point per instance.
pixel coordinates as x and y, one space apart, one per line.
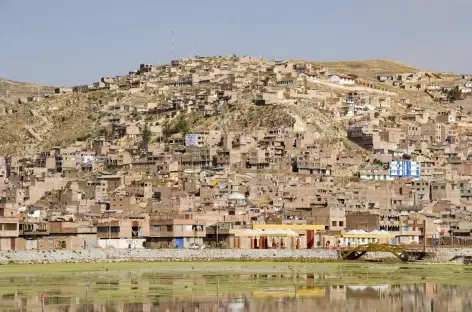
16 89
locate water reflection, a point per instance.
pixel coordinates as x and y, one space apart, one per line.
151 291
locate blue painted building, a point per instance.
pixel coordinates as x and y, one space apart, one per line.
405 169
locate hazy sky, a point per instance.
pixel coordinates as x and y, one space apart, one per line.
64 42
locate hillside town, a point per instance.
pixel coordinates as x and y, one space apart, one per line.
243 152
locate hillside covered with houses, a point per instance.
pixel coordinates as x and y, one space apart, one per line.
201 150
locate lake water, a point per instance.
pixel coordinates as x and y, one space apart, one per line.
235 287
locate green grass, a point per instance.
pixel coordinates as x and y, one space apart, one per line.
210 266
359 269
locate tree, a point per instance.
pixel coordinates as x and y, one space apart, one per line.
166 129
377 162
181 126
455 95
146 138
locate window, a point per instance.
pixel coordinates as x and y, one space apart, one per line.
169 228
188 228
341 223
104 229
156 228
179 228
11 227
333 223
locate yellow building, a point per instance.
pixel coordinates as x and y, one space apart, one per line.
285 236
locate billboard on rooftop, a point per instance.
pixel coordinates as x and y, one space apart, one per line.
405 168
191 139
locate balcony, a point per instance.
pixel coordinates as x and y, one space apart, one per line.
33 229
177 230
9 227
112 235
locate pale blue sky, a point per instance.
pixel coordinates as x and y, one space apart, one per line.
63 42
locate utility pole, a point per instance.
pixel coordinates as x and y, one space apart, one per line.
424 235
109 229
172 42
452 234
217 225
195 232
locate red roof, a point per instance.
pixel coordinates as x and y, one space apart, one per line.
343 76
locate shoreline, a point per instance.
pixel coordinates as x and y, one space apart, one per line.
442 256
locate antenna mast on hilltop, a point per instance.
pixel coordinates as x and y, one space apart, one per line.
172 42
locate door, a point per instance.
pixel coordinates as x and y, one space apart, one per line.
179 242
310 237
31 244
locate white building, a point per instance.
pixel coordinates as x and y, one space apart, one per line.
195 139
433 87
308 75
342 79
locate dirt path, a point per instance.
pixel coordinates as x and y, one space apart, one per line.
353 88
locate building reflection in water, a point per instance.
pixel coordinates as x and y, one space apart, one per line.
147 292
